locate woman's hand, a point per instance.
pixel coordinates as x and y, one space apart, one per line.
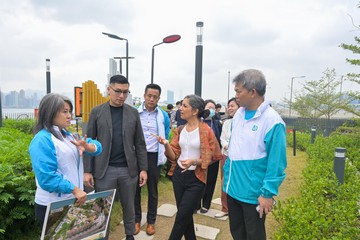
188 163
80 143
80 196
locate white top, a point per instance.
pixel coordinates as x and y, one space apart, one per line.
225 135
190 146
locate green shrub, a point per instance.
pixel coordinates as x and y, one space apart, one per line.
23 125
325 209
17 184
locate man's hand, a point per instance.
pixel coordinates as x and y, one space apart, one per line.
88 180
265 205
142 178
80 195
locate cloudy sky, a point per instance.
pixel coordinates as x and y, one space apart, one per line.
283 38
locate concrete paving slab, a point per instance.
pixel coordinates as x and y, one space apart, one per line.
217 201
142 236
167 210
143 219
211 213
206 232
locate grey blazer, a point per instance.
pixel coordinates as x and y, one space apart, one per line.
100 127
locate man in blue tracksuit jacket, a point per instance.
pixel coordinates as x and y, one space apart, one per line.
256 161
154 122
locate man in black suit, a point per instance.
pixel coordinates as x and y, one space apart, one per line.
123 161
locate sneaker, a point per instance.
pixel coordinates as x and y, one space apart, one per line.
221 214
204 210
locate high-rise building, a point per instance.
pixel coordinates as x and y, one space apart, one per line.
170 96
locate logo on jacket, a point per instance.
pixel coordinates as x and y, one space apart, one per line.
254 128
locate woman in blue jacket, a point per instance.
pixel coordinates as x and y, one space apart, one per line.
56 155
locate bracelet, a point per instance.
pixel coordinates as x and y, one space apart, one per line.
196 161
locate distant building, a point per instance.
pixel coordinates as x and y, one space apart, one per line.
170 97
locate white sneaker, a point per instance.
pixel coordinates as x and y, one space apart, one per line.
221 214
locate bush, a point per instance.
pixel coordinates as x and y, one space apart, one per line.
325 209
17 184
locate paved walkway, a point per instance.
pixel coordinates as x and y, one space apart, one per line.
169 210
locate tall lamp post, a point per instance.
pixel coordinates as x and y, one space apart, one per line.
120 62
0 109
228 85
48 78
198 57
110 35
168 39
291 90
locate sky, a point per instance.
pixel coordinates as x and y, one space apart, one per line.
282 38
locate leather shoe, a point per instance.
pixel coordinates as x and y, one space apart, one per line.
150 229
137 228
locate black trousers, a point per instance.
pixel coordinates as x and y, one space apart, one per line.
152 186
188 190
40 212
212 174
244 220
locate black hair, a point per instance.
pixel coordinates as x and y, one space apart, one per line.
119 79
232 99
170 106
197 102
153 86
218 105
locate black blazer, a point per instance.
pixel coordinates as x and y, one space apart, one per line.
100 127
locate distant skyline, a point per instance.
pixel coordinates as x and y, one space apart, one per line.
282 38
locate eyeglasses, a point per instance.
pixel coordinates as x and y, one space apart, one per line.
119 92
152 96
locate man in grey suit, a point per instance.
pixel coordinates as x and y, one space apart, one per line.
123 161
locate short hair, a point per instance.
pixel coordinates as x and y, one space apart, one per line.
198 103
153 86
169 106
178 102
252 79
119 79
49 106
211 101
218 105
232 100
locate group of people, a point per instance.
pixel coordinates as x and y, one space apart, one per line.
125 148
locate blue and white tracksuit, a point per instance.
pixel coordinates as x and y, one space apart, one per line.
257 155
57 165
163 129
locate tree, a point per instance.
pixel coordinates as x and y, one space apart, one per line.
320 98
354 77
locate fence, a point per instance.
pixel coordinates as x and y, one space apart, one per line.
18 115
322 125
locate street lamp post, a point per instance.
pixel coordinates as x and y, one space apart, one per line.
228 86
110 35
168 39
198 57
48 78
120 62
291 90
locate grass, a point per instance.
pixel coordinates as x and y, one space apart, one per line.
289 188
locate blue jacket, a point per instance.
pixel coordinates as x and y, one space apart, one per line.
257 155
57 165
163 129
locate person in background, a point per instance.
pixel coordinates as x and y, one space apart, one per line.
193 148
179 121
213 168
173 114
217 111
256 161
56 155
224 138
154 122
123 163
